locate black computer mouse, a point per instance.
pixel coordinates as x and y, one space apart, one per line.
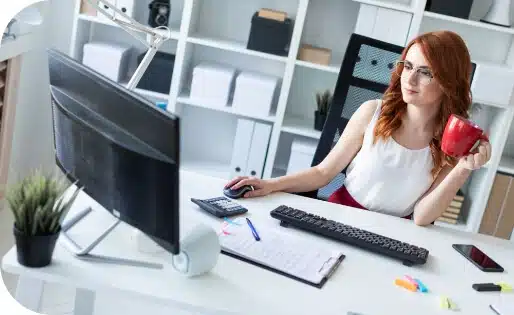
237 193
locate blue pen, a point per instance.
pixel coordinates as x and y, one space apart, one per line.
254 232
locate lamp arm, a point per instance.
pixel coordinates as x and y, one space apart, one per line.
131 27
134 25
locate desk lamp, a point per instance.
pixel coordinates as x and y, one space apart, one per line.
200 248
156 35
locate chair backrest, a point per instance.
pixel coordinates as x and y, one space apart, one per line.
364 75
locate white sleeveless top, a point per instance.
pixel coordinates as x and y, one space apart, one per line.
386 177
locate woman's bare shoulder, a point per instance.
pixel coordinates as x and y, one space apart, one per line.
365 112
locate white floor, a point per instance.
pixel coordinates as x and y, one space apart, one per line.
58 300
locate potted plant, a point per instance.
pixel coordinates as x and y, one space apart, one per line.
323 101
39 205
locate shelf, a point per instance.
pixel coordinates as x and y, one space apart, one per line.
506 165
185 99
95 19
147 93
3 66
300 126
473 23
209 168
234 46
487 103
388 5
331 68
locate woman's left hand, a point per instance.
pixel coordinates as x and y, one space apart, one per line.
476 160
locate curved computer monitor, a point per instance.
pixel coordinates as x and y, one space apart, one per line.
120 147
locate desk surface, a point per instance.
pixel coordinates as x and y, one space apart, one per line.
363 283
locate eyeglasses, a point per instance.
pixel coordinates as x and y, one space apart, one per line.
404 69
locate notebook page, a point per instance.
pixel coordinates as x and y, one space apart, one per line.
281 252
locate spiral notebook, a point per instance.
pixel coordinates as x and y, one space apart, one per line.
280 253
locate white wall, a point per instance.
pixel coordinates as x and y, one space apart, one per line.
32 145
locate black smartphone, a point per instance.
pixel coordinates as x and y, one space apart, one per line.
478 257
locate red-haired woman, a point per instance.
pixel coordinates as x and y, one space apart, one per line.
392 146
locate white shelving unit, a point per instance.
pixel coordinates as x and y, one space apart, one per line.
217 31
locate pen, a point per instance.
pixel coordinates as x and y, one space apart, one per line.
254 232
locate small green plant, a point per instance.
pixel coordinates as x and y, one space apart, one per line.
324 100
38 204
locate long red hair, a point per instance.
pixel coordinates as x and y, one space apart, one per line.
449 59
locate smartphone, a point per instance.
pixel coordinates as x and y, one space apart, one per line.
478 257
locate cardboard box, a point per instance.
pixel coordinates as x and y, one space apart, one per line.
273 14
254 93
108 59
315 54
212 83
87 9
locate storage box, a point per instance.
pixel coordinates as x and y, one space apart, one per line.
157 76
302 154
315 54
108 59
269 35
87 8
492 84
457 8
212 83
254 93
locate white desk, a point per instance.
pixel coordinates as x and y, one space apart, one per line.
363 283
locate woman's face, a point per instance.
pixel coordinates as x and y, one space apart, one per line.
417 82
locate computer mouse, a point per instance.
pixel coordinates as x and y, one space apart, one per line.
237 193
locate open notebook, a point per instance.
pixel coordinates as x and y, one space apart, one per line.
280 253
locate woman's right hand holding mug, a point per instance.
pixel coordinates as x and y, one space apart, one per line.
261 187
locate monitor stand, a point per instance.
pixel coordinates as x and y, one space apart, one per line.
85 253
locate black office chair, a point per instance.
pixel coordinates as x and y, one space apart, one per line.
364 75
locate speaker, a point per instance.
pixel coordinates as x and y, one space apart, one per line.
199 251
159 13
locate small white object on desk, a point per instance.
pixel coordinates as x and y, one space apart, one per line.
108 59
254 93
212 83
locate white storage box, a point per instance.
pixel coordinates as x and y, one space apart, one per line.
254 93
302 153
212 83
110 60
492 84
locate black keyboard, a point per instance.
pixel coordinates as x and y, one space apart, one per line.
407 253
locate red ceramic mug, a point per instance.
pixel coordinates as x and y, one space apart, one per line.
461 136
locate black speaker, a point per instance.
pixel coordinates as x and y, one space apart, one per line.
456 8
159 13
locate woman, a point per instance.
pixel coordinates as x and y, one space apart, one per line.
393 146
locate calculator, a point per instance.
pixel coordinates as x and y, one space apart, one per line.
220 206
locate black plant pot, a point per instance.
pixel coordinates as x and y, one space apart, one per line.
319 120
34 250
